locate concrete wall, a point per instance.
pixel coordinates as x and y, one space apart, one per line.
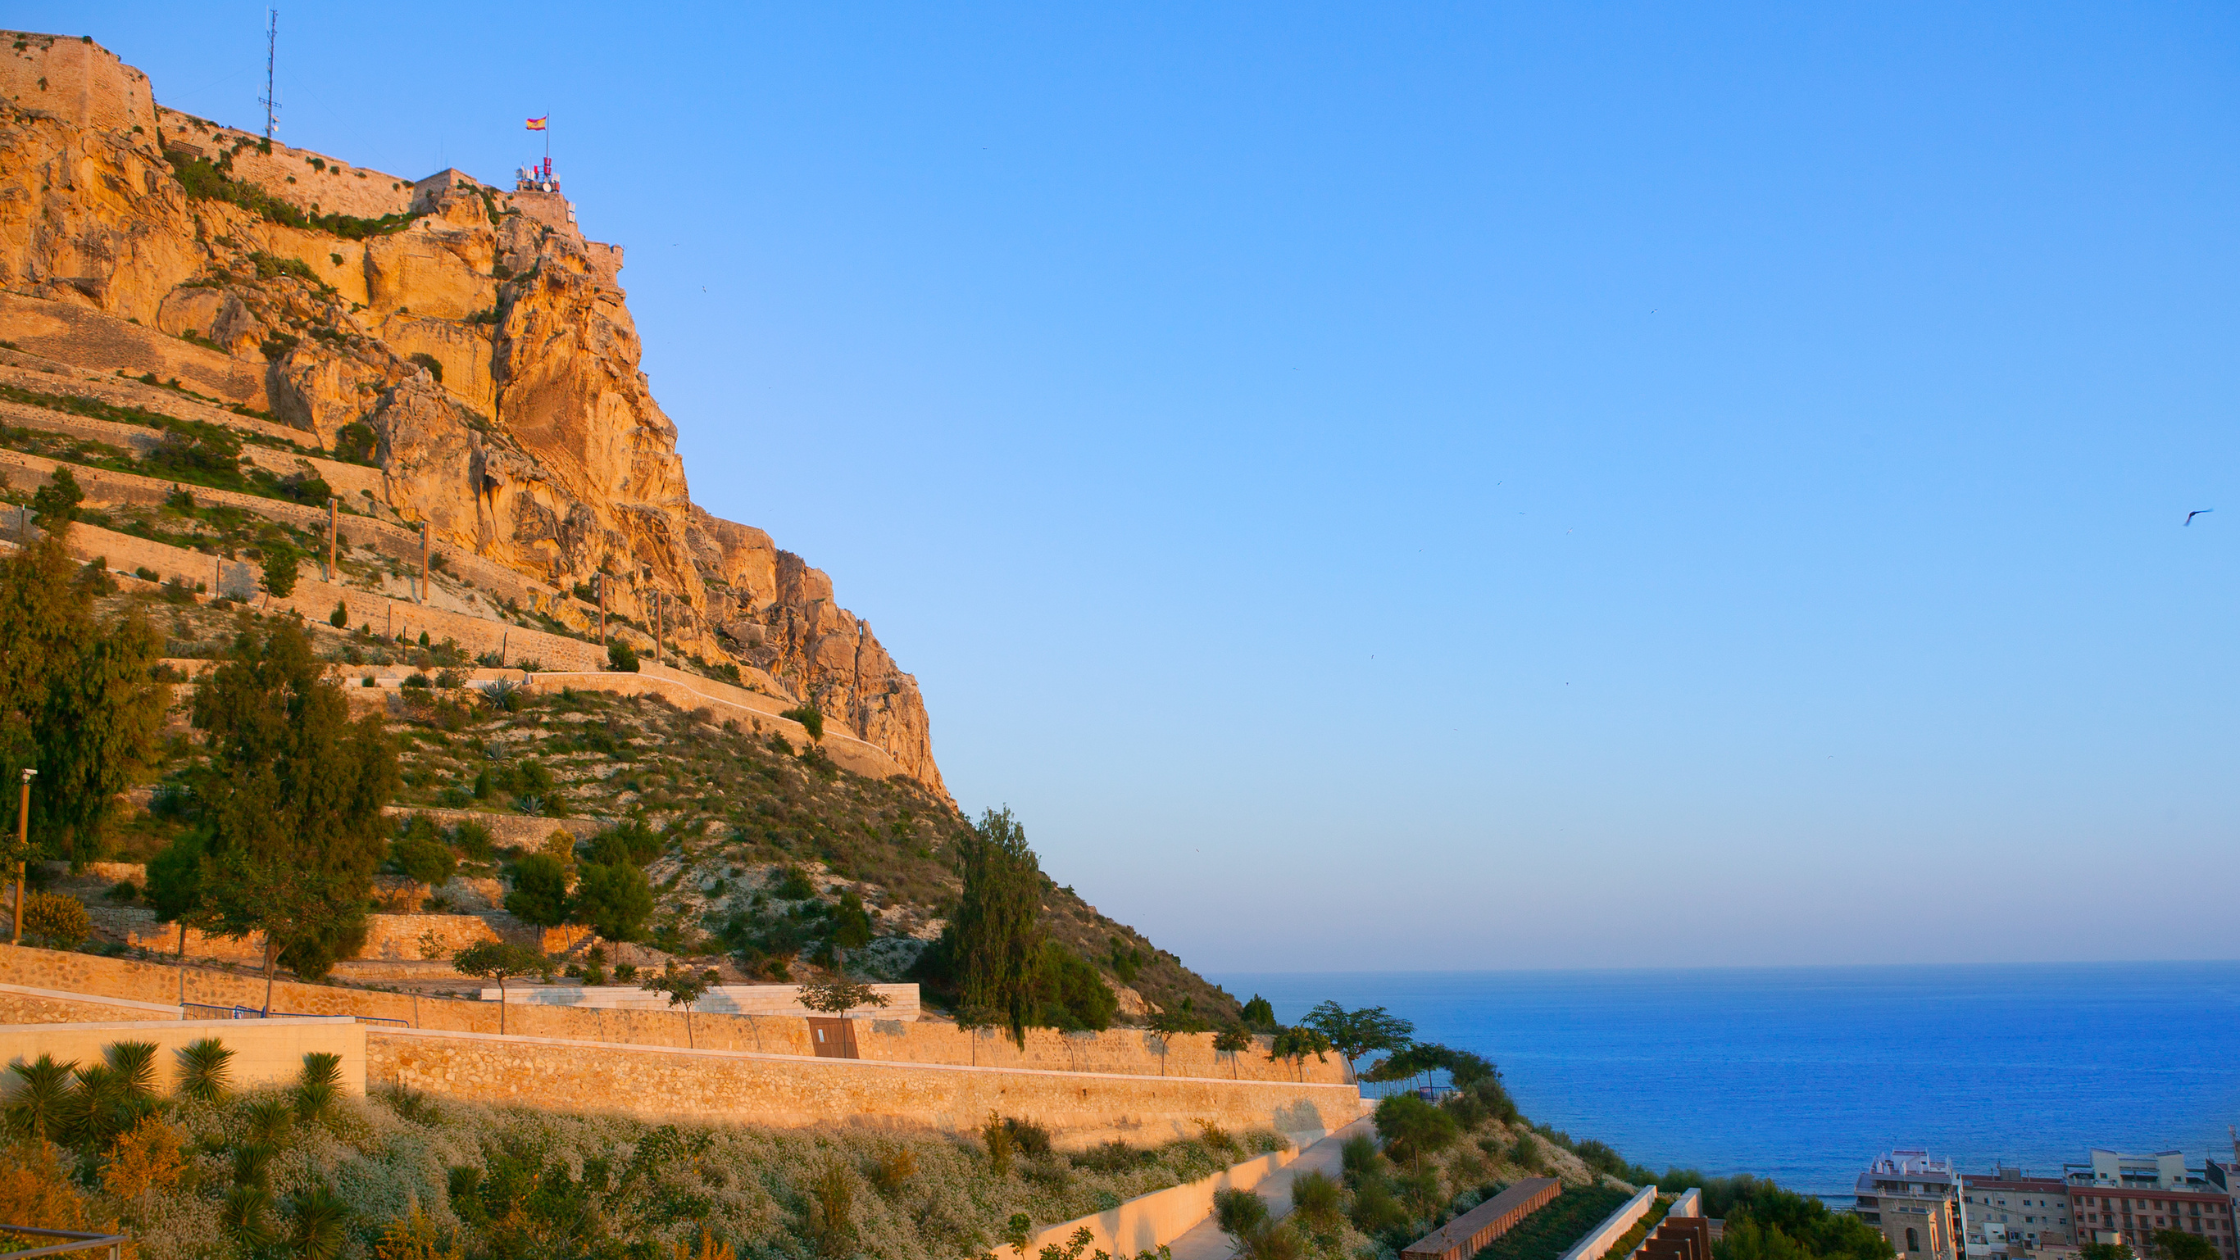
1613 1227
265 1051
1151 1221
1079 1109
77 79
23 1005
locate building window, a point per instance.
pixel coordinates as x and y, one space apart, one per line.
1913 1239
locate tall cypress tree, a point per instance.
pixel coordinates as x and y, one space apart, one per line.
78 701
290 802
998 941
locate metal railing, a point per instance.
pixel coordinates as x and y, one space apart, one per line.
79 1241
251 1012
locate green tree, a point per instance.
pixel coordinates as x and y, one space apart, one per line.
420 854
1295 1044
997 946
1232 1041
56 503
616 900
500 961
1070 993
621 658
540 891
1412 1128
685 988
851 923
78 702
1259 1015
837 995
2177 1244
280 561
289 803
1356 1033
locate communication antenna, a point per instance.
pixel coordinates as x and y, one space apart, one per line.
270 99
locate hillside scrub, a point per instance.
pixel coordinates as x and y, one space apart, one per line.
253 1173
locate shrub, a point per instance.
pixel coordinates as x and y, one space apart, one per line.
205 1070
811 720
540 891
59 921
630 841
615 900
146 574
997 1136
893 1170
356 443
621 659
422 858
279 570
340 617
1317 1200
434 365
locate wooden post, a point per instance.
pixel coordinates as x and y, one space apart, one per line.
657 627
23 847
602 609
503 637
333 505
423 562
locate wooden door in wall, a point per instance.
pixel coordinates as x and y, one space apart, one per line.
833 1037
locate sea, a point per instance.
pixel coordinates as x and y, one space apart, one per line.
1804 1074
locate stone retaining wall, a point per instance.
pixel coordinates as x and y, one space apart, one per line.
1080 1110
1119 1051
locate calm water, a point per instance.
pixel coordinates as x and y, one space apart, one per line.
1803 1074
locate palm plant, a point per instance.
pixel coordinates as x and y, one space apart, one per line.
205 1071
244 1215
319 1222
41 1094
316 1088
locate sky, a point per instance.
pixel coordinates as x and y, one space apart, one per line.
1444 486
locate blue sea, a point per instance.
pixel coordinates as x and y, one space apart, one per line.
1804 1074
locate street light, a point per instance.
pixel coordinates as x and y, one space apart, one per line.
23 849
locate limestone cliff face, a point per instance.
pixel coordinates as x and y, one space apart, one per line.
485 343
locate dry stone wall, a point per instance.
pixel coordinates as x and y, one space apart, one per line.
1079 1109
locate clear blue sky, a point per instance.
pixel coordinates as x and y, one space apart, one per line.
1446 486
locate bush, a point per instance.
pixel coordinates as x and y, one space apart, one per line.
621 659
811 720
340 617
540 891
630 842
615 900
421 857
355 443
434 365
59 921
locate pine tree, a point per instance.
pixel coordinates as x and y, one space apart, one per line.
290 803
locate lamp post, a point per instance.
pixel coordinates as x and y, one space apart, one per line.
23 849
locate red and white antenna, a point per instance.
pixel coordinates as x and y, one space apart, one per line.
271 99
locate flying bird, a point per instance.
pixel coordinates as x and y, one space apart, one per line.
2196 512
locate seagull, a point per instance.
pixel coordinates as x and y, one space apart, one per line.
2196 512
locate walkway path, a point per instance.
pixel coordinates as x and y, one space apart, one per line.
1205 1241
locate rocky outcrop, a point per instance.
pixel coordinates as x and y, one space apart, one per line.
485 343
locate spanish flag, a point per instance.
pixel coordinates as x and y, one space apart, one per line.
537 124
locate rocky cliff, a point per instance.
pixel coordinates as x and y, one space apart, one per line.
462 338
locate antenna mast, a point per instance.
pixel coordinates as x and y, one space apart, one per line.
270 98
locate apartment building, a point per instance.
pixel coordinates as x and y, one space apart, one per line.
2009 1213
1914 1200
2121 1198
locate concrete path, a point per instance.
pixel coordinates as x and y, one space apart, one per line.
1205 1241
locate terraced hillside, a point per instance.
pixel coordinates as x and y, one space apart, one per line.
411 420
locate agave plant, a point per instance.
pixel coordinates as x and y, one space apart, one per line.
41 1094
206 1071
